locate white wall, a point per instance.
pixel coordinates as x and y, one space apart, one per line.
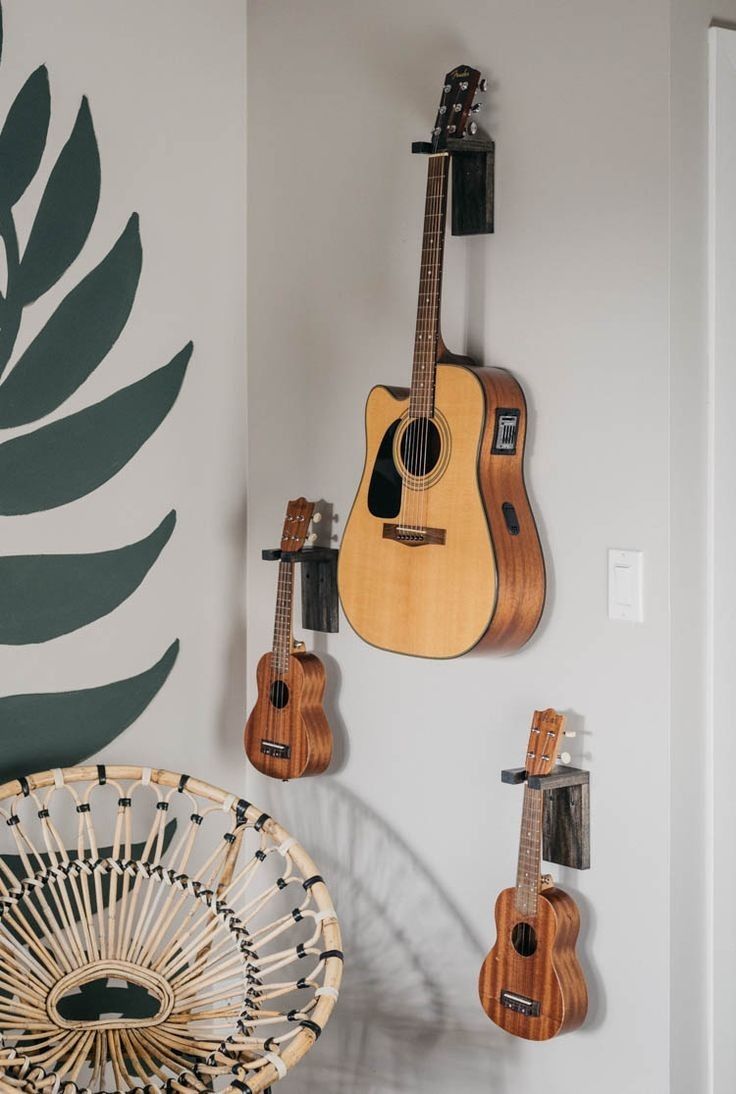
572 293
166 88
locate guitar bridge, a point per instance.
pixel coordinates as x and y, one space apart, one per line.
276 749
413 536
520 1004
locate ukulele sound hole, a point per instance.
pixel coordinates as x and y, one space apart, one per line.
421 446
279 694
524 939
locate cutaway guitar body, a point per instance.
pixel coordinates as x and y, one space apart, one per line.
531 984
287 734
473 574
440 553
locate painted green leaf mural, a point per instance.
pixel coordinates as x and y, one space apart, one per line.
65 460
59 729
45 595
77 337
23 137
42 596
66 212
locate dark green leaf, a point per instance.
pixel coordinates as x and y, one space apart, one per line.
42 596
77 337
23 137
67 459
65 214
60 729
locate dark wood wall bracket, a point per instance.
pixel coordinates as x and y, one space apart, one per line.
473 182
320 605
566 819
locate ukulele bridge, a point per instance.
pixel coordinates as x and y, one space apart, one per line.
276 749
414 536
520 1004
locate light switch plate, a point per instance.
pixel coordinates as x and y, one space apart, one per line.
625 580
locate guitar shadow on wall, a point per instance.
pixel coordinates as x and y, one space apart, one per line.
408 1017
475 337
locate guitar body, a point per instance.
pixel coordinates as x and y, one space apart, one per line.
481 582
549 980
287 734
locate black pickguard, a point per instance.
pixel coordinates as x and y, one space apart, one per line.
384 492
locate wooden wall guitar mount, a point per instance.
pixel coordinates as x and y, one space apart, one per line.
531 983
441 552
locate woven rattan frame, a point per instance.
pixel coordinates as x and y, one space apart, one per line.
200 944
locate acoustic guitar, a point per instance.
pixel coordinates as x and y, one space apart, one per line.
287 734
441 551
531 984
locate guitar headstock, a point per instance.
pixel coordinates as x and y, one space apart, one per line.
456 105
296 525
548 728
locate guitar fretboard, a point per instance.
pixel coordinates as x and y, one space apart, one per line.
421 400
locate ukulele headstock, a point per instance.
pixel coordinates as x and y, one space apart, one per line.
548 728
296 525
456 105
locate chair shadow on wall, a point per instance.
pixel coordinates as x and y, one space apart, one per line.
408 1018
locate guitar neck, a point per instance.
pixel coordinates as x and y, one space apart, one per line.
528 873
282 627
421 400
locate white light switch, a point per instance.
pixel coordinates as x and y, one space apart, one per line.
625 585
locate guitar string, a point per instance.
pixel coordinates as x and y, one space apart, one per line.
408 498
425 344
434 301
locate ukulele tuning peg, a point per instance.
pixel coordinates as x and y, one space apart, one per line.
316 517
565 757
473 128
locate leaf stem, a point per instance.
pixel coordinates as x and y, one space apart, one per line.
12 306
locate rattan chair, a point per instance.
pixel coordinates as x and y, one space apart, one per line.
155 933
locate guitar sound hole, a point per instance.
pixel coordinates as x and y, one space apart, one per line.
420 447
524 939
279 694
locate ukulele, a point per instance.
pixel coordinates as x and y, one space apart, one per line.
287 734
531 983
441 552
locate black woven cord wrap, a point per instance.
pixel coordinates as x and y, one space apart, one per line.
240 810
309 1024
183 780
101 774
332 953
24 786
312 881
261 821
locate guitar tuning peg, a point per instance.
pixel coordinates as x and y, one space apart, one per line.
565 757
312 537
473 128
316 517
570 733
475 108
482 85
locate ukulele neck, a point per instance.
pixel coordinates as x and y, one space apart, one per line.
528 874
283 638
426 340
